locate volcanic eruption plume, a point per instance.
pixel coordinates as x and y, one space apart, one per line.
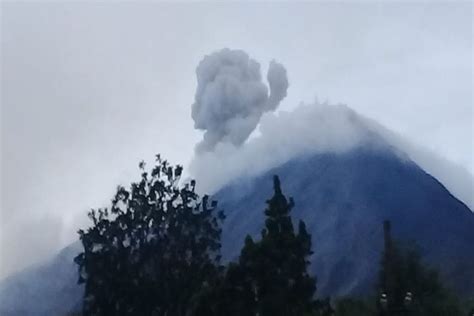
231 96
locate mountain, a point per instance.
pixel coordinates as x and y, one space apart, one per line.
343 197
46 290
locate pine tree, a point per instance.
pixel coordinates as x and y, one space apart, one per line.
407 287
271 276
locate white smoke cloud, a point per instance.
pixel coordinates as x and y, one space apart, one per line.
231 101
312 129
231 97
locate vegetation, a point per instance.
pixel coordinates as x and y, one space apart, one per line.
407 287
156 251
271 275
354 307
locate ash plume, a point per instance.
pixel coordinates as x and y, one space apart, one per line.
231 97
230 101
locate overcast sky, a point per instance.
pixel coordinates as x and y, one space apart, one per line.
88 90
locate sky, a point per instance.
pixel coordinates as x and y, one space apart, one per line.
90 89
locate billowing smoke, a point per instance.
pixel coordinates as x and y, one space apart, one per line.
308 129
231 97
231 100
312 129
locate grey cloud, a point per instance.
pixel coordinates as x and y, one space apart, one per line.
309 128
231 96
278 82
318 128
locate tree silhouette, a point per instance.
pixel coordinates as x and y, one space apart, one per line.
154 251
271 276
407 287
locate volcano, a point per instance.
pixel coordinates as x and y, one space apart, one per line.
344 199
343 196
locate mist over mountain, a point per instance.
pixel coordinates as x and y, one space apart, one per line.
343 195
313 129
346 173
232 104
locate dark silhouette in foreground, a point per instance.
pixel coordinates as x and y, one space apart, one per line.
271 276
405 287
154 251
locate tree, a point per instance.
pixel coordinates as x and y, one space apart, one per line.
353 307
271 276
154 251
407 287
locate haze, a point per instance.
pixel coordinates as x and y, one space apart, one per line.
88 90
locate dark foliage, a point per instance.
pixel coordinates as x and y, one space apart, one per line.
407 287
154 252
354 307
271 275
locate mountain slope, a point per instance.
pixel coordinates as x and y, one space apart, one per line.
46 290
344 199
